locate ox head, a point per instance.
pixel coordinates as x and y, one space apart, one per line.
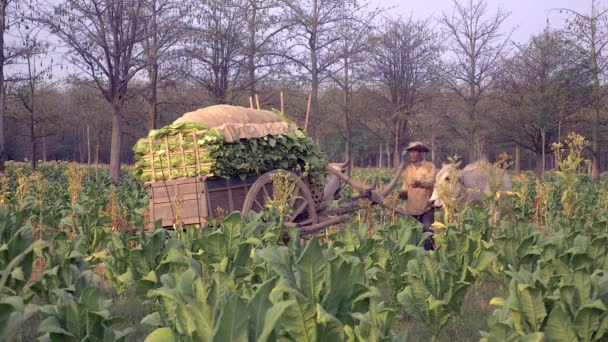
447 183
332 182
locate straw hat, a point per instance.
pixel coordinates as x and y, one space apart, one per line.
418 146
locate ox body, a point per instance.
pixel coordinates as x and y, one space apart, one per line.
472 184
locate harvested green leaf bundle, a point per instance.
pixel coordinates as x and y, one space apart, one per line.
290 151
171 152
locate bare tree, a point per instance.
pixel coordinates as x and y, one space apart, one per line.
355 39
405 63
588 32
476 44
542 87
215 53
9 15
28 87
265 31
314 35
164 29
102 37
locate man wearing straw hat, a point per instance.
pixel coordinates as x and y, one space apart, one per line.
418 183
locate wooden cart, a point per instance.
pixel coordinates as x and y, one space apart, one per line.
193 200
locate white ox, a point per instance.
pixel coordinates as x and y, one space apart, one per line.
472 182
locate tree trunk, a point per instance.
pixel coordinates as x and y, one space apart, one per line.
539 163
396 156
595 146
517 159
3 5
32 141
314 108
596 102
388 155
44 149
153 101
252 48
543 168
152 55
115 148
348 154
88 145
97 155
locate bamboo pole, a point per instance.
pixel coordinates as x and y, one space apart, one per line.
282 108
197 167
250 102
168 150
307 114
181 147
257 101
151 160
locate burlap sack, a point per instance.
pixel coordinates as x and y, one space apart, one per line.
239 122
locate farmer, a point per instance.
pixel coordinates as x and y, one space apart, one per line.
418 182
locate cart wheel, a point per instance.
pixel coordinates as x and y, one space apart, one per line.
300 200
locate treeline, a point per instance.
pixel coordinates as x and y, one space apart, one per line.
370 81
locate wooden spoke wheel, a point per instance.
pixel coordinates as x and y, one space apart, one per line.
301 203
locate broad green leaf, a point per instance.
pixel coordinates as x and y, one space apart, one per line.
258 306
232 226
232 321
559 327
278 257
299 321
272 318
153 319
184 321
532 305
311 268
534 337
330 328
52 325
162 335
586 323
438 314
72 319
13 314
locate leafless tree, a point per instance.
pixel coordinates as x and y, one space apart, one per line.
215 49
477 43
10 16
29 87
541 87
313 38
355 40
265 33
588 32
405 63
103 37
164 27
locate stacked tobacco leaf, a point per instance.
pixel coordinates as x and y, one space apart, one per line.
293 150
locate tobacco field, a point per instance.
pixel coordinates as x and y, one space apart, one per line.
76 264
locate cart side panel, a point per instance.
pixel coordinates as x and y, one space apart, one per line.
183 198
227 195
194 199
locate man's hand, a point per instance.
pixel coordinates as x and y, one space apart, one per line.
403 194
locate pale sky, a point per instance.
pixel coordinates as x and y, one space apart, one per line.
527 16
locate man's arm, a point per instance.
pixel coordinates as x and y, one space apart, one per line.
427 182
